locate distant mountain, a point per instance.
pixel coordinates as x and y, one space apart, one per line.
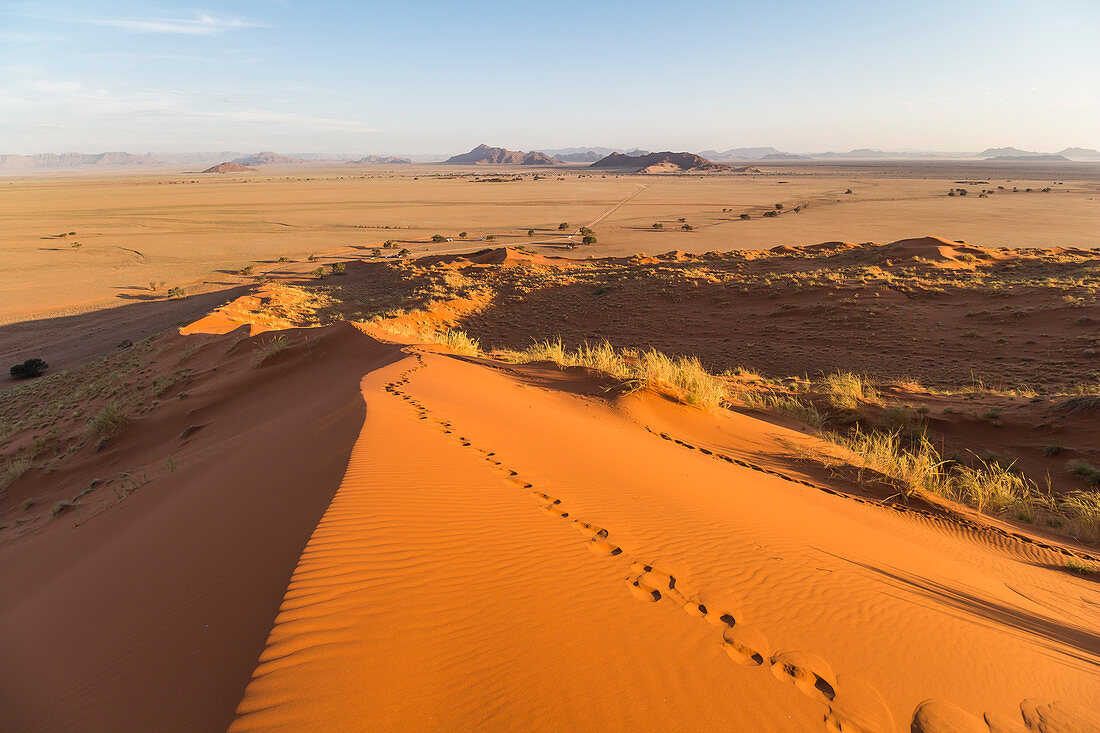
588 156
784 156
228 168
1031 157
195 159
666 162
379 159
486 155
1080 153
740 153
40 161
1010 152
266 157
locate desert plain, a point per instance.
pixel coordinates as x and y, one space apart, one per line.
812 447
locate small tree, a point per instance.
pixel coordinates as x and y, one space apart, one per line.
78 245
848 191
437 238
563 226
388 244
589 239
745 216
404 253
530 232
318 273
779 207
682 219
658 225
339 268
376 253
687 227
312 258
246 270
584 231
29 369
176 292
462 235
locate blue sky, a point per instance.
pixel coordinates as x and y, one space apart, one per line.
440 77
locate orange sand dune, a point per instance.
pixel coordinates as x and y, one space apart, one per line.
512 556
460 544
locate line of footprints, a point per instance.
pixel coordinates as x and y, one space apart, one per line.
854 706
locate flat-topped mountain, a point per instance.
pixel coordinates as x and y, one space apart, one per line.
73 160
228 168
666 162
739 153
266 157
379 160
487 155
1031 158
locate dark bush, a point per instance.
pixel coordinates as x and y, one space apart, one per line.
28 369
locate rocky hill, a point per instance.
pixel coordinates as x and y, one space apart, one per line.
666 162
266 157
487 155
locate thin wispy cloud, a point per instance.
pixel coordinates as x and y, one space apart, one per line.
203 24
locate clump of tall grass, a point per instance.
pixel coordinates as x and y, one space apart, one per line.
847 391
996 488
991 486
270 348
107 421
786 405
683 376
458 342
1084 506
913 469
13 469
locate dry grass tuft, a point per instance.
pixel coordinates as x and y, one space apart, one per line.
107 421
847 391
682 376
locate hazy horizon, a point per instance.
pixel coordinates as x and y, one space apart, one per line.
433 79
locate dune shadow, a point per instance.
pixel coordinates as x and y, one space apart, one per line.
997 614
70 340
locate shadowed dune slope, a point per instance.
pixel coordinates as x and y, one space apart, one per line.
512 549
147 612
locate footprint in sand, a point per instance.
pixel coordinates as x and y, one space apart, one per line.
589 530
857 708
603 547
745 645
808 672
549 504
642 590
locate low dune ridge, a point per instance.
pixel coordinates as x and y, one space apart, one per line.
297 521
